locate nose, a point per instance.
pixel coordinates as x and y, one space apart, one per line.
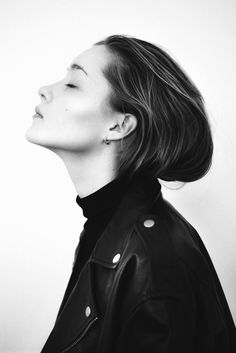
45 93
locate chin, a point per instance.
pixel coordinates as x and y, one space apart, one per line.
32 135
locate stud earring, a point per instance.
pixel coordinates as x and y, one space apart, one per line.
107 141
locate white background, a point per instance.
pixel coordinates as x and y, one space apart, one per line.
40 220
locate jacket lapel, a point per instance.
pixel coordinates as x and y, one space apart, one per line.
77 315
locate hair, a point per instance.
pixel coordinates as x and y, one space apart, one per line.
172 140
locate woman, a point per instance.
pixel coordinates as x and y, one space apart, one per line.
142 280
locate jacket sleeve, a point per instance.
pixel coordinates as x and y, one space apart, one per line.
147 329
170 325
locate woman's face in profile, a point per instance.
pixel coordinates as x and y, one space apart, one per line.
75 114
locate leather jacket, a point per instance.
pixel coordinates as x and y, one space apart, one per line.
148 286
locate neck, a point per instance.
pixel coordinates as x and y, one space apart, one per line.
89 173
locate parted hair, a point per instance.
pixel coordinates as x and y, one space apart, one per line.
173 139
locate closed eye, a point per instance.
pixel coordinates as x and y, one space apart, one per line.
71 86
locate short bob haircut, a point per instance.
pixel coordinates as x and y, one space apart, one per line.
172 140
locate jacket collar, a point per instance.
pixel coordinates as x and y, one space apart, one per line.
137 200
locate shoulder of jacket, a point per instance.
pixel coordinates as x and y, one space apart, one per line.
167 235
172 246
156 242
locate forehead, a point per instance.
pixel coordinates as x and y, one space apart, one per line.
93 60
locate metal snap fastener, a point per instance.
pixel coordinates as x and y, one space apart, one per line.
148 223
116 258
87 311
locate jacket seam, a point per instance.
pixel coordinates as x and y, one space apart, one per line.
114 285
160 298
179 258
136 231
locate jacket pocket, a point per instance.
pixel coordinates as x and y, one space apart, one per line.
77 317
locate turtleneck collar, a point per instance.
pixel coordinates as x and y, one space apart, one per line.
101 203
104 200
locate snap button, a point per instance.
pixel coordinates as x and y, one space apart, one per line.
148 223
87 311
116 258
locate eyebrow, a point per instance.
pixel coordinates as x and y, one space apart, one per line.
77 67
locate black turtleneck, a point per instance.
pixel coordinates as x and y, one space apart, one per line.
98 208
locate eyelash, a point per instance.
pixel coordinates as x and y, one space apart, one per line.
70 85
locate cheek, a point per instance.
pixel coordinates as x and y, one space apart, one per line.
77 124
85 114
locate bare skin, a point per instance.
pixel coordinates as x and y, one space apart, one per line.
77 120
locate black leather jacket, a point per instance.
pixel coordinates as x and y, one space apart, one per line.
149 286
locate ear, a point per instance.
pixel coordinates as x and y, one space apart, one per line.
125 124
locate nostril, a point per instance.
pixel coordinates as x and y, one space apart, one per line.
40 92
45 93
